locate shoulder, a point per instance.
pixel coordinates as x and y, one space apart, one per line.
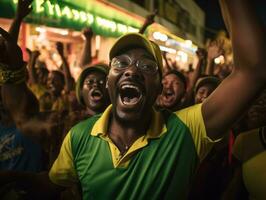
191 117
189 112
83 128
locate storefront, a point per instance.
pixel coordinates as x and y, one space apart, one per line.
52 21
180 51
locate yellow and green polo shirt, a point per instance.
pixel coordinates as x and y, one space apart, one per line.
160 164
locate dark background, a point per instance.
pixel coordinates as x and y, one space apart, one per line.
213 17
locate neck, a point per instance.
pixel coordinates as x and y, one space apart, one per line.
91 112
124 134
176 107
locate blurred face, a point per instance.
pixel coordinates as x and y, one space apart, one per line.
42 76
203 92
133 84
173 91
55 83
94 93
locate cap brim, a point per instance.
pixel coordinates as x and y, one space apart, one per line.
136 40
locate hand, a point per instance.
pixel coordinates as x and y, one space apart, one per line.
10 52
35 54
159 102
87 32
201 53
23 9
150 18
215 49
32 54
60 48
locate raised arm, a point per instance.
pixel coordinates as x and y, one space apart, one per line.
214 50
15 95
23 9
86 56
148 21
68 78
239 89
201 54
167 64
31 65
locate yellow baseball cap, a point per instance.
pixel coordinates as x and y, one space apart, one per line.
137 40
100 67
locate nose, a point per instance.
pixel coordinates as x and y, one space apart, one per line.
133 72
167 84
95 83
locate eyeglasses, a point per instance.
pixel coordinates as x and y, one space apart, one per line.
146 65
91 81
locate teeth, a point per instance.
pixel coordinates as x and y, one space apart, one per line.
130 86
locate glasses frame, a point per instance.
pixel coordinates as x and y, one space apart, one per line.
136 64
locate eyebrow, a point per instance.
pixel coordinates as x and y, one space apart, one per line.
148 56
145 55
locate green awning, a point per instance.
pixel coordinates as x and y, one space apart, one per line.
76 15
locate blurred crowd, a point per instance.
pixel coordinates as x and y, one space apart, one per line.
32 132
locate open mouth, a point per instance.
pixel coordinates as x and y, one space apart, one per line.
168 93
130 94
96 95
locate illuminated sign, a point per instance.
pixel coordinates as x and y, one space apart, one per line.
62 15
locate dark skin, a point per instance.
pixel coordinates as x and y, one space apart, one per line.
218 111
203 92
214 50
23 9
148 21
69 80
126 124
33 77
173 92
55 84
86 56
94 93
201 55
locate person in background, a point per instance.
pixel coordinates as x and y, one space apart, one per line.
131 147
91 93
204 87
19 150
86 55
174 90
37 76
90 89
149 20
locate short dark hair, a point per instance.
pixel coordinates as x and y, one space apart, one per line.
179 75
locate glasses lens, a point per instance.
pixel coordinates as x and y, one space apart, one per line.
145 65
101 82
92 81
120 62
148 66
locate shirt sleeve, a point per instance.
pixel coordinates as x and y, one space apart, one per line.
63 171
192 118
